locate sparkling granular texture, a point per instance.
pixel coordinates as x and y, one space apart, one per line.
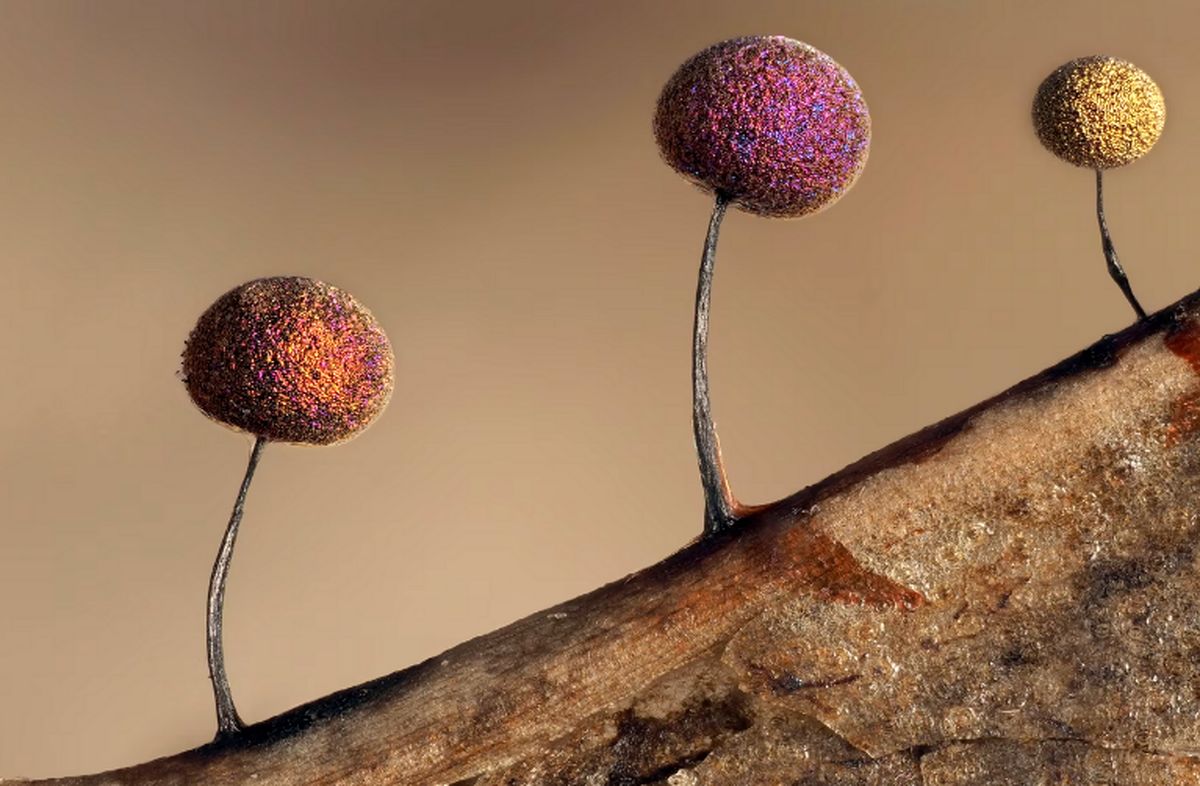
772 123
290 359
1099 112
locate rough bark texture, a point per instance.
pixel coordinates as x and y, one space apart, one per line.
1008 597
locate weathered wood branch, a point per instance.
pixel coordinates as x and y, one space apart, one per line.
1010 596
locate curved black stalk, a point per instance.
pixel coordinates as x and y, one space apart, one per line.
719 505
1110 252
228 722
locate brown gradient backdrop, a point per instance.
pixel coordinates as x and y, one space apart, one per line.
482 175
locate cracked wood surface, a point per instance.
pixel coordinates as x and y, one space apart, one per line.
1007 597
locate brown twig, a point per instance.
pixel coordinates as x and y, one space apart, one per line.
1010 593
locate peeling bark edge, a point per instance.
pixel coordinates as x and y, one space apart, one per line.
361 711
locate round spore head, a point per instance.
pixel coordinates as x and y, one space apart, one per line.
770 123
291 360
1099 112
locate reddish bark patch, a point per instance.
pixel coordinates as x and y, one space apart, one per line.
829 569
1184 341
846 580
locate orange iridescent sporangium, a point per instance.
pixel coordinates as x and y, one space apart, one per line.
289 359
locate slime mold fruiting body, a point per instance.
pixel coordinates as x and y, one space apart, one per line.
286 359
776 128
1100 112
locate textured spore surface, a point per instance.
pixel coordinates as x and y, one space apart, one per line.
1099 112
289 359
772 123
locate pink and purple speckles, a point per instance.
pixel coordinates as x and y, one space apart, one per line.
289 359
771 123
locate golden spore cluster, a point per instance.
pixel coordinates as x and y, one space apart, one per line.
1099 112
289 359
771 123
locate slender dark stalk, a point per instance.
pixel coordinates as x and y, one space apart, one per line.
719 505
228 722
1110 252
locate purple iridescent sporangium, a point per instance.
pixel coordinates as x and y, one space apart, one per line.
771 123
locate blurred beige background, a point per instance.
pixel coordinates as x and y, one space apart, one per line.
482 175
